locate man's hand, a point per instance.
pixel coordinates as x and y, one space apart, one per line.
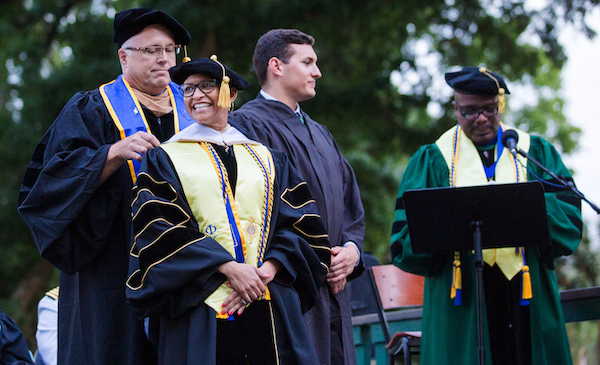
130 148
133 147
336 286
343 261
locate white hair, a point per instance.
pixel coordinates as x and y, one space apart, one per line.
128 43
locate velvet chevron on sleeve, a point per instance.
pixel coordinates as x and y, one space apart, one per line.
426 169
174 263
562 206
173 266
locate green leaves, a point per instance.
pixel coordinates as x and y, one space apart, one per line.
57 48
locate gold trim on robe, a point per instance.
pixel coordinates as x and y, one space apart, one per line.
206 184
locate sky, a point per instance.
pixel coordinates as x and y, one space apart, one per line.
581 90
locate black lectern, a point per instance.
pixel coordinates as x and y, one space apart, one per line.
476 217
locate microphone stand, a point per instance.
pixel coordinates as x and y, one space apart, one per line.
567 184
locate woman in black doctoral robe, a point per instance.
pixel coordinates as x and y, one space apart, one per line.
229 249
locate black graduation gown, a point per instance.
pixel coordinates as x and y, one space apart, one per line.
85 230
173 266
315 154
13 347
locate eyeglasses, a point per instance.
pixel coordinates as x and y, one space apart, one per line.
472 115
205 86
156 50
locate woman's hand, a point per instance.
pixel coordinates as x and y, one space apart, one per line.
234 303
268 270
244 279
236 300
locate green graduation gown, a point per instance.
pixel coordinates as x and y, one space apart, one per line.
449 331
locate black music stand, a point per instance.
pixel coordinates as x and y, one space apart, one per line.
442 220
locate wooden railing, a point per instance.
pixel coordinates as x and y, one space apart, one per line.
578 305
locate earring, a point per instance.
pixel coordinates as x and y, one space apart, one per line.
231 107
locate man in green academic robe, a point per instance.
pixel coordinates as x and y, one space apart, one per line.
523 319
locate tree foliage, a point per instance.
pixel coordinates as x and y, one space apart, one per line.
382 93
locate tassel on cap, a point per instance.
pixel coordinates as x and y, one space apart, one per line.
186 58
225 92
501 91
456 291
501 100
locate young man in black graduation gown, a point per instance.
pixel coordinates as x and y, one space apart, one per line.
285 64
76 193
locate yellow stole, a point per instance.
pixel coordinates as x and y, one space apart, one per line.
241 224
466 169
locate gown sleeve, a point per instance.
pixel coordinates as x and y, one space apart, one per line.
13 348
426 169
563 208
173 266
68 214
300 242
353 220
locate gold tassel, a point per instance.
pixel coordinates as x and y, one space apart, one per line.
456 292
501 91
186 58
527 294
501 101
225 92
456 276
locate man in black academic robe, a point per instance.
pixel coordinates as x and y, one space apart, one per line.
285 64
76 193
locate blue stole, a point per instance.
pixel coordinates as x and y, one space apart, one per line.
127 114
490 172
238 245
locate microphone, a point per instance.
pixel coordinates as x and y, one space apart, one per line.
509 140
